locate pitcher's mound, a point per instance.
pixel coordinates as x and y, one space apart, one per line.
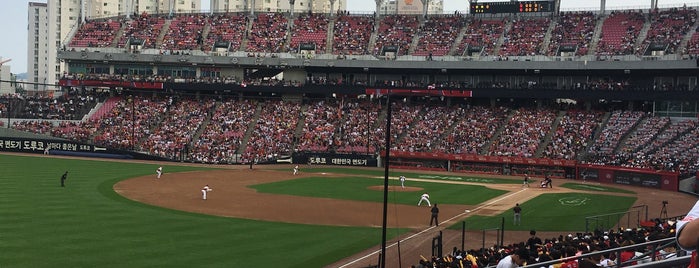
395 188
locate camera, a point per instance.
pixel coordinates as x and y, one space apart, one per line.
665 202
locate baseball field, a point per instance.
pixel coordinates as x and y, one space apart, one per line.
117 214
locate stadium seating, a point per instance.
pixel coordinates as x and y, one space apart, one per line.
437 35
96 33
483 34
523 133
396 30
268 33
574 132
351 34
144 27
310 28
227 27
619 33
525 38
273 135
185 33
474 131
224 134
668 27
573 29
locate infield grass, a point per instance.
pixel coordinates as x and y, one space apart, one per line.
86 224
563 212
393 174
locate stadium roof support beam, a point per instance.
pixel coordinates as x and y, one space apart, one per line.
378 8
82 11
602 6
332 7
252 7
291 9
653 4
425 5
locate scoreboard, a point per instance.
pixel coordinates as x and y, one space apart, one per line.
511 7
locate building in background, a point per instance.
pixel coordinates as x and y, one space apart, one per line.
389 7
5 75
39 68
316 6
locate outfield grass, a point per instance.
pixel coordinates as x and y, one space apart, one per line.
563 212
595 188
412 175
357 188
87 224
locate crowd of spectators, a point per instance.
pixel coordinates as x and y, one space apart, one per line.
473 132
355 133
437 35
396 30
310 29
72 105
573 28
223 135
268 33
143 27
523 133
185 33
525 38
351 34
96 33
619 33
483 34
402 117
669 27
118 127
227 27
319 125
616 127
693 44
164 125
181 119
582 249
273 135
572 135
425 134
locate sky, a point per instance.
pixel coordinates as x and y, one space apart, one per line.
13 20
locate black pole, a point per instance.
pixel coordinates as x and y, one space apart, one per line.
502 232
9 109
385 180
133 123
368 128
463 234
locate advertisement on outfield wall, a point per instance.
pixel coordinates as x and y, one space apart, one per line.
334 159
630 176
60 147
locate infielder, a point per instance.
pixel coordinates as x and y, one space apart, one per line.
526 181
402 181
205 190
159 171
425 197
296 169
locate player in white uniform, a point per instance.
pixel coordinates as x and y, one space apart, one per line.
296 169
402 181
425 197
159 171
205 190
